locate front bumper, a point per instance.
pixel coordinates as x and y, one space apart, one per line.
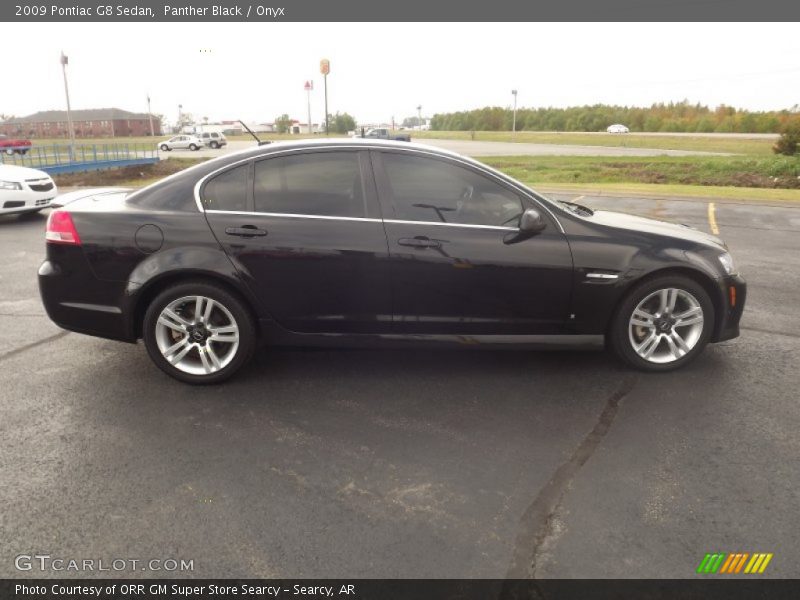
733 290
25 200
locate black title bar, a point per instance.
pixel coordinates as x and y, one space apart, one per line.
408 589
151 11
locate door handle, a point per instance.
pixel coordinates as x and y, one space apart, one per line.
419 242
245 231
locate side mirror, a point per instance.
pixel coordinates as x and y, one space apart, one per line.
531 221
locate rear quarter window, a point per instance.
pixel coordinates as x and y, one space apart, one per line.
228 190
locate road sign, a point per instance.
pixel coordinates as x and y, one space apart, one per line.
324 66
308 86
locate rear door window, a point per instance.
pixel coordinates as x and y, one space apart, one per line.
320 184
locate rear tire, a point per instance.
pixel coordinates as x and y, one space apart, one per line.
202 346
193 147
214 145
662 324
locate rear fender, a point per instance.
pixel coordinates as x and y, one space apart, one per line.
167 267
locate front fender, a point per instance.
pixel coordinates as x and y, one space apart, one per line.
596 300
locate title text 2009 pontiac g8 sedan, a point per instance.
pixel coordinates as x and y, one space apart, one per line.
376 243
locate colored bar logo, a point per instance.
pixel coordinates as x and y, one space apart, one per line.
734 563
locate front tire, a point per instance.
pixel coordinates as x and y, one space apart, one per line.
199 333
662 324
164 148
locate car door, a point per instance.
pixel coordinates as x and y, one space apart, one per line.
459 264
304 229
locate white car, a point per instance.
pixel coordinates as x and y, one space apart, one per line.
24 190
212 139
190 142
617 128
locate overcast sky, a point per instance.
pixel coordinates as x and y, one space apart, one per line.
256 71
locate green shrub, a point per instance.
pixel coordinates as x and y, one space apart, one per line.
790 139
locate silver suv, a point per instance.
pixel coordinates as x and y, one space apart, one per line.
212 139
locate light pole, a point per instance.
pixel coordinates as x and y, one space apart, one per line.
419 117
514 119
308 87
325 68
64 63
150 115
180 118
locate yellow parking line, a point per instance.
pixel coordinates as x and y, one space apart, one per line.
712 219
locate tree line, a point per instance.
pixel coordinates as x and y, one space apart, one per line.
667 117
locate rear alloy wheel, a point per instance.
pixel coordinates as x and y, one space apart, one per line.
193 147
198 333
663 324
214 145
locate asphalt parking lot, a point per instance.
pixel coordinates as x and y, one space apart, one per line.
320 463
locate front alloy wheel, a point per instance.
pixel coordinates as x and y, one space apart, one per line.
666 325
662 323
198 333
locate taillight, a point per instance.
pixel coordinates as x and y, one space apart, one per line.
61 230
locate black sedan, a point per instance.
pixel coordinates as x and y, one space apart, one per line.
376 243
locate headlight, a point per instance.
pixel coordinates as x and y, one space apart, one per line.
10 185
727 263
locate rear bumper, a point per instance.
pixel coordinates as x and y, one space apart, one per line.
734 292
75 300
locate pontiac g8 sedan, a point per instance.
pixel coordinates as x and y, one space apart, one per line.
367 243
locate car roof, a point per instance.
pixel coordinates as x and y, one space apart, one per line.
338 142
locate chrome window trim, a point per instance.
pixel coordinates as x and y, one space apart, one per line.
493 173
365 219
292 215
470 225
